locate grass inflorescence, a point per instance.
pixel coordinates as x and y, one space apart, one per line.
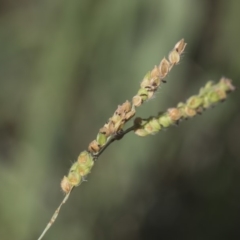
113 129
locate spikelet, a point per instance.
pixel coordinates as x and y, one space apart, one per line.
126 111
154 78
80 169
207 97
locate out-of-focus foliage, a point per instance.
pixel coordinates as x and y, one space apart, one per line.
64 68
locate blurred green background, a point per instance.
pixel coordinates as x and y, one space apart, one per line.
64 68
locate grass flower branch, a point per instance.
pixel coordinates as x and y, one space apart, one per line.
113 130
208 96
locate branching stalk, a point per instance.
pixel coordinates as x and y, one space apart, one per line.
208 96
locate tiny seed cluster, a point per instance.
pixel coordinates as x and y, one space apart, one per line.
149 85
208 95
127 110
154 78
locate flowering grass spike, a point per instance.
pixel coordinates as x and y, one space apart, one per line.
113 129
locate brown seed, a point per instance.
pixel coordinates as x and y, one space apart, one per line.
94 147
66 185
174 114
155 72
137 101
164 68
174 57
180 46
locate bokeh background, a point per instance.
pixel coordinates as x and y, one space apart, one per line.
64 68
